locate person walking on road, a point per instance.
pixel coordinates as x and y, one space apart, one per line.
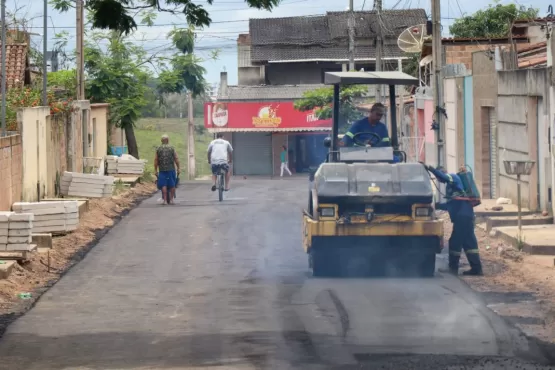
166 168
461 213
284 161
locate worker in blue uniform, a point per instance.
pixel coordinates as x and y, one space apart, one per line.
367 125
461 213
371 130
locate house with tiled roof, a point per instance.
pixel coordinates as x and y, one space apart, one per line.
278 61
17 65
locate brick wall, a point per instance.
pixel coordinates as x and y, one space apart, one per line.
455 54
10 171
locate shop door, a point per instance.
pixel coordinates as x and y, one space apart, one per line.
252 153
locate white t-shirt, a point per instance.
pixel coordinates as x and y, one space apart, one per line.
220 148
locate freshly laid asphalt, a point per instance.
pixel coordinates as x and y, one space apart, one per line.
226 285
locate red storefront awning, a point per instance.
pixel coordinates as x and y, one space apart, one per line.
260 117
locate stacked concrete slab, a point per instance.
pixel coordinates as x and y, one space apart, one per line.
126 164
51 216
86 185
15 231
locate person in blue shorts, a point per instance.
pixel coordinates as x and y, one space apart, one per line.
166 167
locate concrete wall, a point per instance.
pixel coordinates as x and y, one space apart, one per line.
11 171
298 73
462 54
98 126
454 125
519 94
424 115
484 88
251 76
32 124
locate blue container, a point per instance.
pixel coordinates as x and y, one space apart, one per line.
118 150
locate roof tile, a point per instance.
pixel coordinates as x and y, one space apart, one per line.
16 65
324 36
266 92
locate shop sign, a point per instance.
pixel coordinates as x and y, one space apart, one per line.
260 115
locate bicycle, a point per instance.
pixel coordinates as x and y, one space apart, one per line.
220 181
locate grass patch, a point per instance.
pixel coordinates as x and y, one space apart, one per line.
149 130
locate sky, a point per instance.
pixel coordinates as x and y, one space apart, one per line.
230 18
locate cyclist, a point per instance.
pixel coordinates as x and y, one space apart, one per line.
220 154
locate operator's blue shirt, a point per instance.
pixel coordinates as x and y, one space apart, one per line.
455 207
364 125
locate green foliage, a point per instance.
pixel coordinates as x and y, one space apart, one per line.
117 76
494 21
186 72
66 80
119 14
411 65
321 101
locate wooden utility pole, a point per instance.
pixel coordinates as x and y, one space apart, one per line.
191 170
437 52
351 26
379 46
4 80
44 51
79 50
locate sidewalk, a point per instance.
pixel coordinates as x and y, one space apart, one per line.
536 239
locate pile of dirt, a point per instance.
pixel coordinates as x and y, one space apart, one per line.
507 270
42 270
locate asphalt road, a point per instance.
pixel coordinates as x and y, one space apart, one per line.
226 285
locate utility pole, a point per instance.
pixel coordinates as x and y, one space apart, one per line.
379 47
79 50
351 26
438 81
3 15
44 51
191 131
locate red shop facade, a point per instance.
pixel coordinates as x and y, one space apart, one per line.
259 130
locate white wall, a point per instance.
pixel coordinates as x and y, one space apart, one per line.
451 138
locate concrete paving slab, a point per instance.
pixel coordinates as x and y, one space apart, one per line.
536 239
20 232
20 225
486 210
20 239
527 220
6 268
43 240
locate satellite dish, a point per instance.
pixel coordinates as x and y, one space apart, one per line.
412 39
426 60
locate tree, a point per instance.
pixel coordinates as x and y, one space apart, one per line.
494 21
185 72
321 101
118 76
119 14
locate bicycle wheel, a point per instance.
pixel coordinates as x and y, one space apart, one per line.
221 187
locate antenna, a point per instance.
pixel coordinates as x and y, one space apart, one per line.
412 39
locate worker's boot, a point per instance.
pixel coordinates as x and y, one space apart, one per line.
475 265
